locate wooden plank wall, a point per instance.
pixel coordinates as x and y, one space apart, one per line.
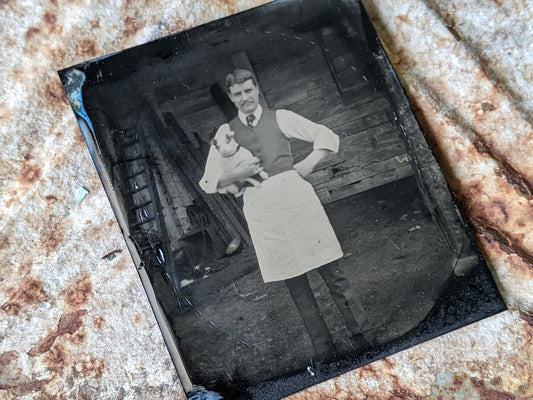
296 73
371 150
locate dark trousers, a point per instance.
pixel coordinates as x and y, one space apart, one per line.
342 294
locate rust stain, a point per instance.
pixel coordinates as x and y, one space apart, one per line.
6 114
515 262
400 393
51 198
132 26
7 358
513 176
69 323
121 265
79 294
487 106
26 267
90 367
111 222
99 323
54 93
12 200
45 395
482 148
95 23
30 33
50 18
11 308
18 74
51 240
30 173
461 385
500 204
508 242
95 233
86 48
43 345
78 339
20 385
138 319
520 223
388 362
228 6
367 370
4 242
527 316
57 359
401 19
29 292
502 226
496 381
58 55
489 394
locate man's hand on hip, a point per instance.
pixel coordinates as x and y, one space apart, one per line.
304 167
308 164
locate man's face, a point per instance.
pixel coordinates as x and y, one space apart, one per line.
245 96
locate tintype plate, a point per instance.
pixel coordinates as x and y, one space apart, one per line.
408 269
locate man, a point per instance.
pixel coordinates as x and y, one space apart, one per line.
288 225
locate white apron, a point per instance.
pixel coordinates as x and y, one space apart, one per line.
290 230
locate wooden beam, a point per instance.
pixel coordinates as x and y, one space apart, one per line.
327 196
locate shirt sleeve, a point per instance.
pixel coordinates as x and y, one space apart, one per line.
297 127
213 170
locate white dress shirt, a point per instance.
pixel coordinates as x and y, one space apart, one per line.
292 125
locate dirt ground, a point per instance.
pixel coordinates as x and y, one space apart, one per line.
240 331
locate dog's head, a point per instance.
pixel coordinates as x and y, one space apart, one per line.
225 144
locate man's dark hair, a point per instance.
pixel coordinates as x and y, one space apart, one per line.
238 76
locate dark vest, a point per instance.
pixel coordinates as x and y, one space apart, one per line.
266 141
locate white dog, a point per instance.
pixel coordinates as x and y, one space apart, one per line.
232 154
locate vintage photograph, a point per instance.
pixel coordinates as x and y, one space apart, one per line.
271 180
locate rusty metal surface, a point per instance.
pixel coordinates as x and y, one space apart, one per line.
76 324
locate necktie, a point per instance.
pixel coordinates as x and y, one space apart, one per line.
250 120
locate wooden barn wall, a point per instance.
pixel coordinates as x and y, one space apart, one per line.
294 74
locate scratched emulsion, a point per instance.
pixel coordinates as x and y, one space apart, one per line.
74 322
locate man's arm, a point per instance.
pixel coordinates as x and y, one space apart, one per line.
323 139
212 172
215 179
308 164
244 169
